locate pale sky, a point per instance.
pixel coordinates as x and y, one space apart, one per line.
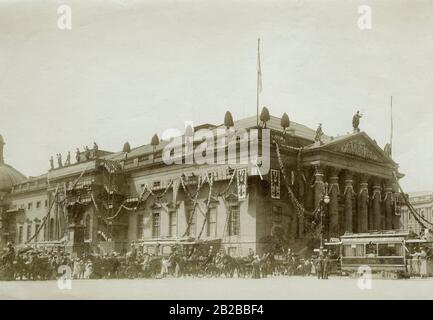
130 68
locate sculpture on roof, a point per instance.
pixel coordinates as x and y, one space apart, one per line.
355 121
78 155
319 133
388 149
52 163
59 160
87 152
68 159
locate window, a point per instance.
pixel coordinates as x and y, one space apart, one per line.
37 226
38 205
46 203
20 234
390 250
192 220
211 222
139 226
234 220
155 225
354 250
29 232
371 249
30 205
172 223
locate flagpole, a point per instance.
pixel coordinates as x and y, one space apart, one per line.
392 125
258 79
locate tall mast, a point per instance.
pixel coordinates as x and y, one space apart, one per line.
392 125
259 79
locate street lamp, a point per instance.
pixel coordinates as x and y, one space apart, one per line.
325 200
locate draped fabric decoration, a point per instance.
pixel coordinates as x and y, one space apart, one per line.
242 183
275 184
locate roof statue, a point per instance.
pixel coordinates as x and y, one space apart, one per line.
388 150
51 163
355 121
319 133
77 155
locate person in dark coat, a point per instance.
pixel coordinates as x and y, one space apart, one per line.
326 267
319 267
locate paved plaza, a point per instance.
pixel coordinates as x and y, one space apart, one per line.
221 288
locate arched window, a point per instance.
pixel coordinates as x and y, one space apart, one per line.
87 229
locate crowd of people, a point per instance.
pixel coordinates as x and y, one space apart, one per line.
44 264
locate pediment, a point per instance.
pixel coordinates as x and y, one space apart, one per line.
359 145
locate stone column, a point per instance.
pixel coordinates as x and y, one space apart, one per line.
301 193
348 214
333 204
309 196
376 204
395 218
388 205
318 185
363 205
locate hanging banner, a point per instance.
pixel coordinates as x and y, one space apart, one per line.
242 183
275 184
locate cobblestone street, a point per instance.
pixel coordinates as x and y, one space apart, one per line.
204 288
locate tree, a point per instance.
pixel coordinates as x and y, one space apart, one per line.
126 147
285 121
228 120
264 116
155 141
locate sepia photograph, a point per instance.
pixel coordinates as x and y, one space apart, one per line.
190 150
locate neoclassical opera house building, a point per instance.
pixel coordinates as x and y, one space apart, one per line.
109 201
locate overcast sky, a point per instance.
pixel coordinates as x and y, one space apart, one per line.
129 69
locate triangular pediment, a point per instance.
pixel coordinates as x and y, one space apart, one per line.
359 145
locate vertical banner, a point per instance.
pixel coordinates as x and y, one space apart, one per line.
275 184
242 183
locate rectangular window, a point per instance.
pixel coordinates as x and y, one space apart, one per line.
29 232
30 205
211 222
192 220
234 220
172 224
38 204
46 203
20 234
140 226
155 225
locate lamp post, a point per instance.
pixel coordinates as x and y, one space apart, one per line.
325 200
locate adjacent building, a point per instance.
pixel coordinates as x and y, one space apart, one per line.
422 202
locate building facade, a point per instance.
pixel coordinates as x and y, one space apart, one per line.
110 201
422 202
